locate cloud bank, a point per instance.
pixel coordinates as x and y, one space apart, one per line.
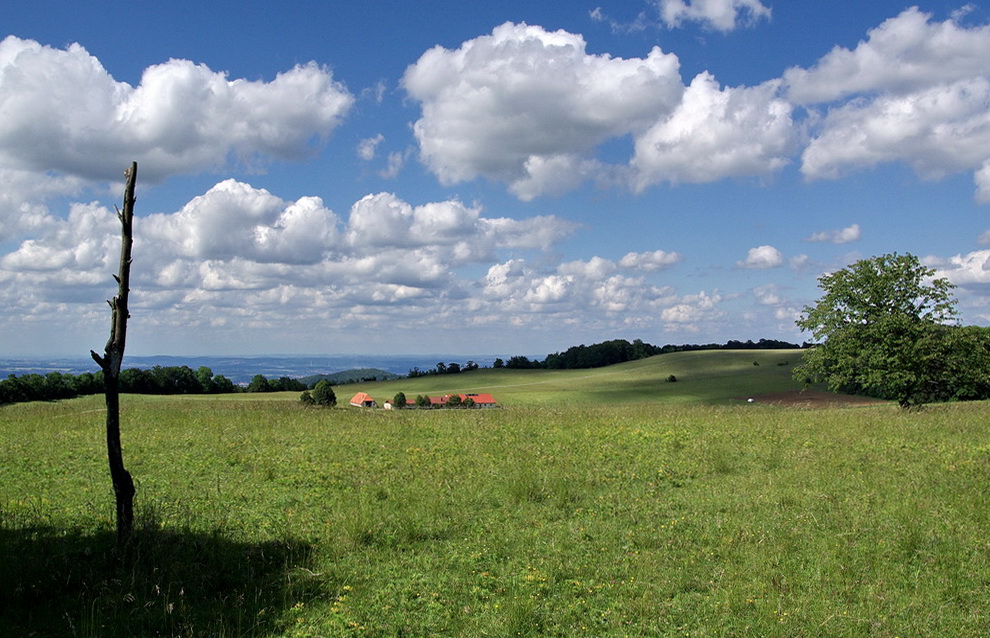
241 255
67 122
531 108
523 107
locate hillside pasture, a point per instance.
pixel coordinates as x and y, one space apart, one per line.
708 377
260 517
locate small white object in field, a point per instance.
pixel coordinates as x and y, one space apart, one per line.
750 400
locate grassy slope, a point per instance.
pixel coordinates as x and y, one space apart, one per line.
715 376
263 518
259 517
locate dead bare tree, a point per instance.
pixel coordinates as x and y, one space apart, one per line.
113 356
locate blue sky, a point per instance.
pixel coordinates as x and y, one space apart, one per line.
502 178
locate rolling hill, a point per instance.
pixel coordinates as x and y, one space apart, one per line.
709 376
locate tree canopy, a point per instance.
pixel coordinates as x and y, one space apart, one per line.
888 329
324 395
616 351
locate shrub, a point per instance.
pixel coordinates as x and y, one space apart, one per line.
323 394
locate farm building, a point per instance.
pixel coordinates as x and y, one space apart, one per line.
363 400
478 400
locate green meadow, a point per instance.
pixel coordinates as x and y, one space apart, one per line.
594 503
711 377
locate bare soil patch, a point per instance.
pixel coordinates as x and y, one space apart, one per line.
812 399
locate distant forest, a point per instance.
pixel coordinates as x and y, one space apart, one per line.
603 354
158 380
184 380
619 351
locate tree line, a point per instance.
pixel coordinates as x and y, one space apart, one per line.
168 380
163 380
608 353
599 355
443 368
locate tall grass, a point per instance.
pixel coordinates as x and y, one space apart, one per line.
262 518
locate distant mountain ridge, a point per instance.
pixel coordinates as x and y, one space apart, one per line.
241 369
351 376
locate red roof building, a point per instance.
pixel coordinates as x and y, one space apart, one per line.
363 400
478 400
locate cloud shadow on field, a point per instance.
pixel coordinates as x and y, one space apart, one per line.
168 582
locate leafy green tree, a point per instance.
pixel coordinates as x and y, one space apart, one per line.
399 400
959 364
323 394
223 385
287 384
27 387
204 375
454 401
9 390
137 381
498 364
520 362
259 383
884 322
971 363
57 386
422 401
88 383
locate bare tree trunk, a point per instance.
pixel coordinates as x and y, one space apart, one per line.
113 356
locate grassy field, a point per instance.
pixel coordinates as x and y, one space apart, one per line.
711 377
551 517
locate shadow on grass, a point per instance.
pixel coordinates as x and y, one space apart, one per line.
58 582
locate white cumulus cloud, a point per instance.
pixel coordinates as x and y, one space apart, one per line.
522 104
530 108
574 291
236 240
982 179
937 131
972 269
716 133
649 261
916 91
762 257
367 147
233 219
720 15
67 121
905 54
843 236
692 312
